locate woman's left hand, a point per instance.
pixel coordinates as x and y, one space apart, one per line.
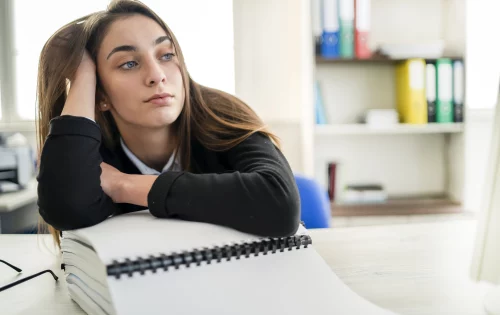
112 181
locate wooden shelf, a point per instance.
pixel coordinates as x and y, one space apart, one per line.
375 59
398 207
361 129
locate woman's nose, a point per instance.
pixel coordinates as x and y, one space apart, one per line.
154 73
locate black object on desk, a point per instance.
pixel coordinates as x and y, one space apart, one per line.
8 286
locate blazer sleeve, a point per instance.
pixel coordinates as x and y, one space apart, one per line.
69 187
259 197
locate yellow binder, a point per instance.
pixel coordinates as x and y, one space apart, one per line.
410 91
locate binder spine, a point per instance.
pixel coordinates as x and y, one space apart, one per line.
206 255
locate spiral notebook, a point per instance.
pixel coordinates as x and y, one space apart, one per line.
138 264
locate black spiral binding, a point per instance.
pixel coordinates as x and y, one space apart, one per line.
207 255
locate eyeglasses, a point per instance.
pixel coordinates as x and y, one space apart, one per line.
8 286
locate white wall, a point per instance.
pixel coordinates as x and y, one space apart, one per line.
477 143
419 21
407 21
482 53
453 26
349 89
454 161
204 30
267 56
482 83
273 69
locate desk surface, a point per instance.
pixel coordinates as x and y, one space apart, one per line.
14 200
410 269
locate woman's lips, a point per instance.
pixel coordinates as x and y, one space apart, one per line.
161 100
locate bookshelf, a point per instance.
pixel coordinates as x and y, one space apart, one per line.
406 206
414 163
408 161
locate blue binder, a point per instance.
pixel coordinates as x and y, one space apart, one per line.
318 106
330 44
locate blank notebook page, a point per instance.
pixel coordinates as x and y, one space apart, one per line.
289 282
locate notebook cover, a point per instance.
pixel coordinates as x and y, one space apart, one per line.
292 281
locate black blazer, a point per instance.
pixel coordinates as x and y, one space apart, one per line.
250 187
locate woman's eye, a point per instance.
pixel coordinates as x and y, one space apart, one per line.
167 56
128 65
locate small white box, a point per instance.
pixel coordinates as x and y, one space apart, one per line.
381 117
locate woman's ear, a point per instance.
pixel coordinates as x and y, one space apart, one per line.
104 107
104 104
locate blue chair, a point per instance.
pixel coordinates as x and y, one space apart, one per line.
314 203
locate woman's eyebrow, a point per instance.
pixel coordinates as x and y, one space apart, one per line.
157 41
161 39
122 48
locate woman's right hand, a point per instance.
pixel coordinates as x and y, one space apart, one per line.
81 96
86 67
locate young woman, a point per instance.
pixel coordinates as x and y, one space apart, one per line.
123 127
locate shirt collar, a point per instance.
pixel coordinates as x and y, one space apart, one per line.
172 163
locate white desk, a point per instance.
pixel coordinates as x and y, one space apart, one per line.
14 200
410 269
18 209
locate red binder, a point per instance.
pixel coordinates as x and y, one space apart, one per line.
332 168
362 28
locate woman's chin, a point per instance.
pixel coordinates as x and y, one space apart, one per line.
162 118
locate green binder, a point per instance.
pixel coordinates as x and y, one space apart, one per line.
346 19
444 90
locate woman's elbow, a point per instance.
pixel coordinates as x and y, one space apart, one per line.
291 216
65 214
284 218
64 219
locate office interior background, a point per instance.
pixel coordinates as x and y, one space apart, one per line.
264 52
337 116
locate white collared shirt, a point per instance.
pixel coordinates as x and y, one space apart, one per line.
172 165
143 168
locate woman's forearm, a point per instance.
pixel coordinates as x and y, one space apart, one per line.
81 97
69 192
135 189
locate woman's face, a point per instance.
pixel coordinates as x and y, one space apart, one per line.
140 74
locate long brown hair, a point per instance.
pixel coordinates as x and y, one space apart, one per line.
218 120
